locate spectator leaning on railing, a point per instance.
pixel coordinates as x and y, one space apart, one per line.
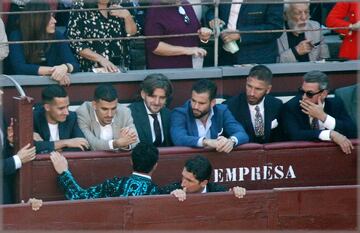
347 14
49 59
174 52
4 48
102 23
304 44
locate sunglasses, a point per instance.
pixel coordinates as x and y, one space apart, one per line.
182 12
308 93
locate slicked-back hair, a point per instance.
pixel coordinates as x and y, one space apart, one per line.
262 73
200 167
154 81
316 76
52 91
144 157
205 85
105 92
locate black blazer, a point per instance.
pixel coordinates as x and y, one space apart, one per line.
296 123
67 129
9 171
272 110
142 123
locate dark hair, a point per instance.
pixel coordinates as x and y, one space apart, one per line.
200 167
52 91
33 27
144 157
262 73
153 81
316 76
105 92
205 85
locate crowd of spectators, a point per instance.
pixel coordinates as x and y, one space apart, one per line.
302 40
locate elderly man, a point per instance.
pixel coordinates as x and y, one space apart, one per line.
200 122
151 117
311 116
306 43
106 124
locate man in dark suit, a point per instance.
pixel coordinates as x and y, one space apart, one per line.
258 112
55 127
11 162
196 179
200 122
155 91
257 48
310 116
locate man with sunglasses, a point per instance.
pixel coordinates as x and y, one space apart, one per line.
311 116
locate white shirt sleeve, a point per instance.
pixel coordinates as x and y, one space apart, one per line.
325 135
200 142
329 122
17 161
111 146
234 139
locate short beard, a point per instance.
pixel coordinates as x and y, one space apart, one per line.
201 115
298 29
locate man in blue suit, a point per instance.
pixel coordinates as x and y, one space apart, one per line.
200 122
151 116
257 111
257 48
55 127
310 116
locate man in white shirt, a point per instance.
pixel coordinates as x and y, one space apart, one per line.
311 116
151 116
10 162
55 127
258 112
106 124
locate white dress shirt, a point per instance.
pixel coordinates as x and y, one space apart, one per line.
325 127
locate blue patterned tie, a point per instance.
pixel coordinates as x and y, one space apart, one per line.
259 123
315 124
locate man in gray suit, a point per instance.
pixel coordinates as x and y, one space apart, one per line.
301 45
151 117
106 124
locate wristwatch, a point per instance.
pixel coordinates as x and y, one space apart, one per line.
233 140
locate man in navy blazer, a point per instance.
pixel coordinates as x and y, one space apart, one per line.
155 91
257 48
310 116
55 127
258 86
11 162
200 122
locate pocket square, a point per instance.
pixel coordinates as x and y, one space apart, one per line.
274 124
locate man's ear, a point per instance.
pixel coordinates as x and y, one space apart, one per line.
204 183
268 89
93 104
143 94
213 102
47 107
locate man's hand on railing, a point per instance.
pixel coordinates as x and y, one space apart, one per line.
59 162
27 153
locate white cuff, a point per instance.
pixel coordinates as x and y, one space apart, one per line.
17 161
111 145
233 138
200 142
329 122
325 135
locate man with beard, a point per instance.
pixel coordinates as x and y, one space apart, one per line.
307 42
257 111
151 117
55 127
200 122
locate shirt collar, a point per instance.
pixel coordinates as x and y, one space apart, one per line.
142 175
261 105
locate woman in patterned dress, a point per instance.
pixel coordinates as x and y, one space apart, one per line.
101 23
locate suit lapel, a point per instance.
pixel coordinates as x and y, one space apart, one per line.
247 118
144 122
165 124
268 117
